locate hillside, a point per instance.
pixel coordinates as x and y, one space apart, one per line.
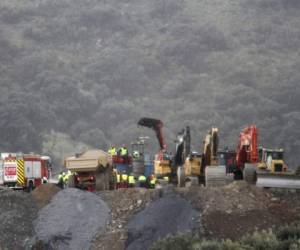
91 70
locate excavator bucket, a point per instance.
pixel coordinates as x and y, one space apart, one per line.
150 122
157 126
287 180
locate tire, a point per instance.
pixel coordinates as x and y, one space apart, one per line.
30 186
249 173
238 175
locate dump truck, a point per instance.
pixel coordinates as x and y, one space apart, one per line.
91 170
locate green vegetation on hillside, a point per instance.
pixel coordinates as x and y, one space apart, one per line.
287 238
91 69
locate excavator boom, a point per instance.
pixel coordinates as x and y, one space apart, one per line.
247 146
157 126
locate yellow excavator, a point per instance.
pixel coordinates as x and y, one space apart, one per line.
187 162
203 167
214 174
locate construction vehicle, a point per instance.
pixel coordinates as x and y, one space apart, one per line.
272 171
214 174
162 161
247 154
199 168
263 167
186 163
26 171
91 170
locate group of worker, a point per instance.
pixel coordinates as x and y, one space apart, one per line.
129 181
122 151
63 179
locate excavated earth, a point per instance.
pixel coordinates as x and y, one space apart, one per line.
239 208
50 218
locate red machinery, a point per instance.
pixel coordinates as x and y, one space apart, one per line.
247 154
247 151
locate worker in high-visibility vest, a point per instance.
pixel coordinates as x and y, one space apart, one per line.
66 179
152 181
124 151
124 181
142 181
60 180
112 150
131 181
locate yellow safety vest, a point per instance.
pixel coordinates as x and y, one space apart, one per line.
124 177
112 151
123 151
66 178
142 178
131 179
153 181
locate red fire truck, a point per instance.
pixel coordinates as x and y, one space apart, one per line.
26 171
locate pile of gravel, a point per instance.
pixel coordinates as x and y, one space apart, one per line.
170 214
17 211
71 220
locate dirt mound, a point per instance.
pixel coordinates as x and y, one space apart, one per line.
170 214
239 208
71 220
44 193
17 211
123 204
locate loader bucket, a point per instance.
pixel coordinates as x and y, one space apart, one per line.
278 180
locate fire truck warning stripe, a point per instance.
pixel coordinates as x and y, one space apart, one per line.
21 172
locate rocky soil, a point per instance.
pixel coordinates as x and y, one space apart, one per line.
50 218
17 212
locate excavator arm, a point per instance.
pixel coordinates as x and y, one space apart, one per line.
211 144
157 126
247 146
